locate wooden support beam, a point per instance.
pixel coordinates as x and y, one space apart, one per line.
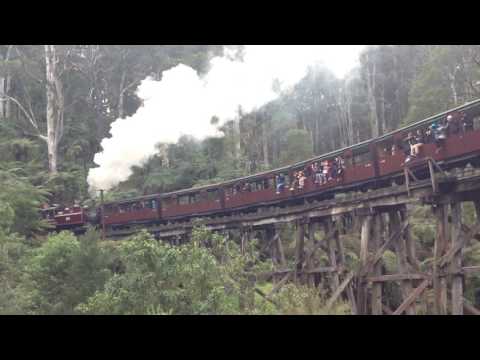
367 268
332 257
318 245
281 253
401 252
342 262
309 263
407 180
279 285
321 269
398 277
440 283
362 283
377 308
387 310
432 176
299 249
467 270
477 210
243 239
456 266
458 245
263 295
469 308
340 289
411 298
411 248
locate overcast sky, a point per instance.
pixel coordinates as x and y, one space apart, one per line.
339 58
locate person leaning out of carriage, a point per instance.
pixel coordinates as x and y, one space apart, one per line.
416 142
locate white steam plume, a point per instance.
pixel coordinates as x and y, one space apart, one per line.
184 103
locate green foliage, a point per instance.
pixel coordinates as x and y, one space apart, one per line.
201 277
20 202
302 300
64 271
13 248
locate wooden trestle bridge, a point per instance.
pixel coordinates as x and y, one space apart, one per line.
383 218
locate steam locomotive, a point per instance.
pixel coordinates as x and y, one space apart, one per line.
371 164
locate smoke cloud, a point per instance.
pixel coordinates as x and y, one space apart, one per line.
183 102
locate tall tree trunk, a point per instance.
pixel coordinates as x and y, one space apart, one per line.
382 121
8 103
266 161
120 109
2 101
55 106
5 82
348 108
372 102
452 78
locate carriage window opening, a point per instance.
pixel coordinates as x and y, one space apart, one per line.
348 161
476 123
136 206
212 194
166 202
194 198
268 183
361 157
149 204
183 200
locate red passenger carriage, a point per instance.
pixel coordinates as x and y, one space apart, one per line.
365 165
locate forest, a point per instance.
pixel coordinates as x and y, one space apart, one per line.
57 103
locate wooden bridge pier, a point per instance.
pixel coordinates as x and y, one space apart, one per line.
342 246
381 229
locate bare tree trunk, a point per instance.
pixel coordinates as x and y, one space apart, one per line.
2 101
5 82
451 78
237 135
382 120
8 103
348 107
371 87
266 161
120 110
55 106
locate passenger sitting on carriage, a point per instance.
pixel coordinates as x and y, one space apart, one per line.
467 122
452 125
247 187
237 189
439 135
416 142
334 169
340 167
327 171
301 180
294 181
317 173
308 170
280 183
313 170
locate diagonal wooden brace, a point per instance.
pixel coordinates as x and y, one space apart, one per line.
412 297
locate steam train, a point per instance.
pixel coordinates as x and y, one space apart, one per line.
371 164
